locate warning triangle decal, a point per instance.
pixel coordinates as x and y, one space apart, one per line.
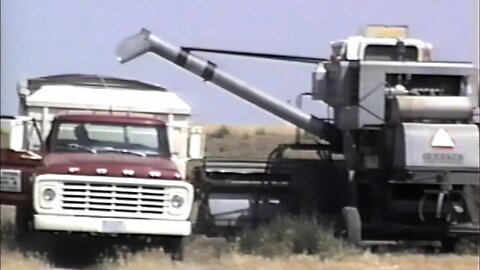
442 139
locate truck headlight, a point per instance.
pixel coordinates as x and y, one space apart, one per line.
177 201
49 195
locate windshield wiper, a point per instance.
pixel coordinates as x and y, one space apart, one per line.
77 146
123 151
154 153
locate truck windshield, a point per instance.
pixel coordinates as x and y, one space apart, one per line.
104 138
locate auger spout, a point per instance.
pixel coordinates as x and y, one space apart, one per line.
144 42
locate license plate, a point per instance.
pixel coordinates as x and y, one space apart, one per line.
113 226
10 181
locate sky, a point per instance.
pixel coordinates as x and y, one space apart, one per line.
41 37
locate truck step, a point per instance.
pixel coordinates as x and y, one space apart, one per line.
378 242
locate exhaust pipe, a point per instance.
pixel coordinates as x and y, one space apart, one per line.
144 42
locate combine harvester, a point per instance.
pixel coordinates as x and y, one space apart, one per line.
397 163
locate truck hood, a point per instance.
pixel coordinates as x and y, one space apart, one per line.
113 163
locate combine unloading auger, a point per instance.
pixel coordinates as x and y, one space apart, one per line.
144 42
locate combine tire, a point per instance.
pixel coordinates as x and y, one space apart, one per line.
351 225
449 245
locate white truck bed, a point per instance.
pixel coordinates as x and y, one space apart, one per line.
45 97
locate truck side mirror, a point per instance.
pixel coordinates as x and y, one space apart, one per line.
37 131
196 143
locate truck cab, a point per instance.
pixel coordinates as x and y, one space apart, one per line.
43 98
140 141
102 174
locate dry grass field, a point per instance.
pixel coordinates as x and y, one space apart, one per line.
213 254
156 260
246 141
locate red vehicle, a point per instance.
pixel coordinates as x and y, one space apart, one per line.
99 174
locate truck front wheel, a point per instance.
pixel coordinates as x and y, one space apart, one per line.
172 245
23 226
175 247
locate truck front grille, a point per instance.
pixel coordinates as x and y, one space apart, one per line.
104 198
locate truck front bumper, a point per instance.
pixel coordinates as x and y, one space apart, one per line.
112 225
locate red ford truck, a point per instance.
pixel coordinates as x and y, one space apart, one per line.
96 175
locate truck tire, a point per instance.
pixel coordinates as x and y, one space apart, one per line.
204 223
23 227
175 247
352 225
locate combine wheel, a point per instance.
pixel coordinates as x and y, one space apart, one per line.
449 244
350 227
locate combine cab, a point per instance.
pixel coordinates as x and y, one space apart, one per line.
379 43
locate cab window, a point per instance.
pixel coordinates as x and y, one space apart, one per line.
389 53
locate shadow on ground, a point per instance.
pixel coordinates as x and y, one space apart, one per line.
80 252
71 251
